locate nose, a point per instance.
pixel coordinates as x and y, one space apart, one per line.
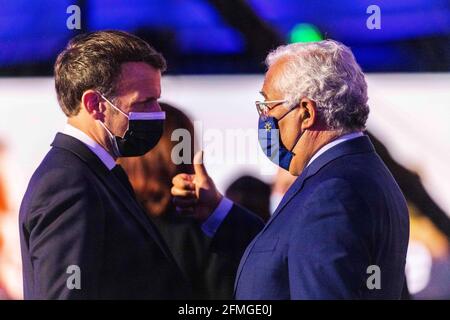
157 107
153 107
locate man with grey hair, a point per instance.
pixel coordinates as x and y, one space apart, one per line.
341 230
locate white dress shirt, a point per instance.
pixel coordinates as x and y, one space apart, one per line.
209 227
214 221
97 149
333 143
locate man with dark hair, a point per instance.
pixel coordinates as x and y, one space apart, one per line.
94 60
83 233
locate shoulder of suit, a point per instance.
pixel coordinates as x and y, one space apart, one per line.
61 158
349 167
60 177
60 168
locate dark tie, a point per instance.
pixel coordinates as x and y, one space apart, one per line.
123 178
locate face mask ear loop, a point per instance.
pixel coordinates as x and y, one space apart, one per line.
296 141
112 139
114 106
284 115
106 99
298 136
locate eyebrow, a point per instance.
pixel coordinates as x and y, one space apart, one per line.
146 100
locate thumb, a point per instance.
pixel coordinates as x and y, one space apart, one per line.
199 167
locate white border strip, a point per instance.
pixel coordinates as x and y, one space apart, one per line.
161 115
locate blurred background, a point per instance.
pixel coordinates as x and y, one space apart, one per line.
215 51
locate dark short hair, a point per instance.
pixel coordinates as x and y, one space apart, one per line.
93 61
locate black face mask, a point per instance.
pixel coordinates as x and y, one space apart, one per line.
143 133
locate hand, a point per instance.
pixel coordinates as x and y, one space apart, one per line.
196 193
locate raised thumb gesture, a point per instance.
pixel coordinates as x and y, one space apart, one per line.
196 194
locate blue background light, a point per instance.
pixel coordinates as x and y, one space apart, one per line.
34 31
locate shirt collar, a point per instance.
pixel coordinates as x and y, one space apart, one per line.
97 149
333 143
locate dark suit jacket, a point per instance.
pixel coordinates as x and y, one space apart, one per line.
343 214
77 212
209 268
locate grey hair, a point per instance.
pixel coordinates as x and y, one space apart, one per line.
327 73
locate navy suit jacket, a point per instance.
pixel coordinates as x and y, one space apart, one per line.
344 213
77 212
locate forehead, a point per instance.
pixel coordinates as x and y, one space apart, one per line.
139 78
273 74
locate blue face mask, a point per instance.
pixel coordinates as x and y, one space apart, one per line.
271 144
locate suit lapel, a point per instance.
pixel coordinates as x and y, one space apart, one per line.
293 190
357 145
112 183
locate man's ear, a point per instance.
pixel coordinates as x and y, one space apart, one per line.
308 113
91 101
